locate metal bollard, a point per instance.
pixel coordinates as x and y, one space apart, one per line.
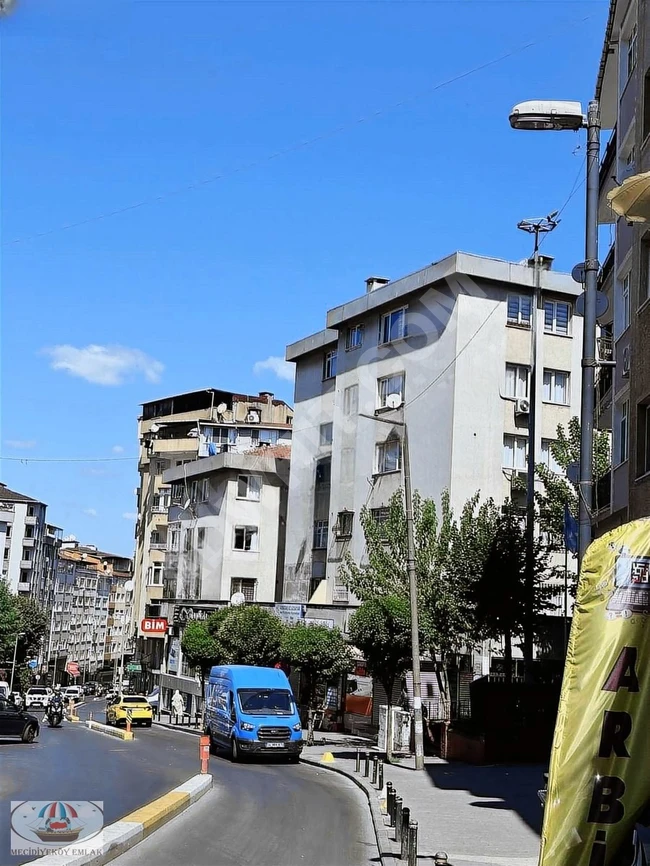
413 844
380 775
398 820
374 769
404 839
358 762
366 769
390 802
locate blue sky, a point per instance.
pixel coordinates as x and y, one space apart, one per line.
110 105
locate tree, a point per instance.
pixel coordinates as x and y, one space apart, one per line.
250 635
498 596
321 654
9 623
201 650
381 629
32 621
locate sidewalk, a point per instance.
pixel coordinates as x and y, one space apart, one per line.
479 816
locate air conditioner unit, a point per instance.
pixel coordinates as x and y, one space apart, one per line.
522 407
253 418
626 362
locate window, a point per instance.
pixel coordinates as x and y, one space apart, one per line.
326 431
8 532
388 456
547 457
268 437
630 159
27 553
200 537
246 538
187 540
390 385
200 490
324 472
160 466
556 387
643 439
519 310
329 364
557 315
249 487
156 574
631 53
392 326
246 585
178 492
320 534
625 298
354 338
624 432
29 532
255 435
515 452
344 524
380 515
351 400
517 380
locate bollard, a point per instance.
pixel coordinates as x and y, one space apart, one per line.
129 717
358 763
374 769
406 821
440 858
390 798
366 769
413 844
204 752
380 776
398 820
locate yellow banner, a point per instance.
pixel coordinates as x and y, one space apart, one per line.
599 781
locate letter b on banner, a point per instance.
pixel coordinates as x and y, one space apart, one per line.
606 806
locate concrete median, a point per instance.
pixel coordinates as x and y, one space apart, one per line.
120 733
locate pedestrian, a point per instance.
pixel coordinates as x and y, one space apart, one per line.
178 706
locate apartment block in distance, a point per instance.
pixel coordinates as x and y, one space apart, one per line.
623 391
450 345
175 433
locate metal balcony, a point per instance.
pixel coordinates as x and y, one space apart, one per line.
26 564
30 521
29 542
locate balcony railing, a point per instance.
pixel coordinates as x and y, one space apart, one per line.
159 509
158 545
30 521
24 586
26 564
29 542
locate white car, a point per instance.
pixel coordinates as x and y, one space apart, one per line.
73 693
37 697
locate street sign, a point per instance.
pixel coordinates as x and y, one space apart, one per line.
134 667
289 613
32 664
73 669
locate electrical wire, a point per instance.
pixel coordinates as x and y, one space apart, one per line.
576 187
298 145
68 459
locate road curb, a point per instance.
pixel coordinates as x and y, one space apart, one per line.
123 835
92 725
384 842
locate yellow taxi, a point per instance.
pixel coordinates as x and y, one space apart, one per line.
137 705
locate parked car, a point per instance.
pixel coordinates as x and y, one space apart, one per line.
17 723
17 699
74 693
141 710
88 688
37 697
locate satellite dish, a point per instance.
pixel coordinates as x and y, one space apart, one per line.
128 586
237 599
154 428
394 401
602 304
221 408
187 504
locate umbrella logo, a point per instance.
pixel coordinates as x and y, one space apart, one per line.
55 823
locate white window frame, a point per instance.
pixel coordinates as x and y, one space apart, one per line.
156 570
321 534
516 445
552 384
351 400
330 362
519 320
354 337
253 485
626 285
384 459
326 433
624 432
631 49
246 585
553 327
394 384
517 379
386 326
547 458
250 534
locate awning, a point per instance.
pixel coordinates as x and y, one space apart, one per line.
631 199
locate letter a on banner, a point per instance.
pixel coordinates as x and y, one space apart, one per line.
599 780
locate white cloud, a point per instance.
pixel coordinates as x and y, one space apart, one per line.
91 512
117 449
130 515
104 365
20 444
281 368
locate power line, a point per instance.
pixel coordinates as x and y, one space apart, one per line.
299 145
576 187
68 459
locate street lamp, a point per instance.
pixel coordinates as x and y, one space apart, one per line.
13 664
394 401
554 115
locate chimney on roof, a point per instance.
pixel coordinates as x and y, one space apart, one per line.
373 283
545 262
268 395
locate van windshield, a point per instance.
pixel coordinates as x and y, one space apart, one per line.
265 702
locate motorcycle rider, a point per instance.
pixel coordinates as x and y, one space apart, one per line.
55 705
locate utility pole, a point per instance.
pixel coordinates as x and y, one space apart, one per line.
536 227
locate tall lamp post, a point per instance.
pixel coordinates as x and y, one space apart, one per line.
394 401
553 115
13 664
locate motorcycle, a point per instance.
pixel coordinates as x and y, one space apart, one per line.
54 714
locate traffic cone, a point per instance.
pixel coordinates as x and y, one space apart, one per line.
328 758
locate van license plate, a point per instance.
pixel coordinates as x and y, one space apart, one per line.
275 745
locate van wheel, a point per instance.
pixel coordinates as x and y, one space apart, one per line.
234 751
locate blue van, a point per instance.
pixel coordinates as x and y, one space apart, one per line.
252 710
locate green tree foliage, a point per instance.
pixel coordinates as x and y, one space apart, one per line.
201 649
250 635
9 623
321 654
33 624
381 629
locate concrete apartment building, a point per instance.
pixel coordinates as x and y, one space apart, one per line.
29 545
177 432
623 392
453 341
